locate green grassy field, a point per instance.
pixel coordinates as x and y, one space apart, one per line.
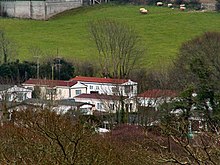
163 31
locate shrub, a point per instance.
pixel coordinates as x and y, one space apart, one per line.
217 5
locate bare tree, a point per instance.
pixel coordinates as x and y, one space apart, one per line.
85 67
40 136
196 70
201 149
118 45
37 53
7 47
45 138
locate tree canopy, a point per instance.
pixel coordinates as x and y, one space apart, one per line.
118 45
198 66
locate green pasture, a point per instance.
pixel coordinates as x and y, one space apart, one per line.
163 31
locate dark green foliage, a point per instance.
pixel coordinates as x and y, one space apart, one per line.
199 65
199 61
6 71
17 72
64 70
27 70
57 69
85 68
217 5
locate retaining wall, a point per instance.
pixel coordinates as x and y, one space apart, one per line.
36 9
209 6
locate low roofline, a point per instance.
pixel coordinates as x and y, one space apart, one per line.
156 93
51 83
99 96
101 80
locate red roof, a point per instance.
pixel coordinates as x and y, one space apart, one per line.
155 93
99 80
99 96
50 83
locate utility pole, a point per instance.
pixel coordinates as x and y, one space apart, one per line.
52 78
38 66
59 67
36 52
52 71
58 58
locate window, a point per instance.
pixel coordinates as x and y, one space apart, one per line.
20 96
97 87
99 106
78 92
112 106
128 88
131 107
69 92
115 90
51 91
126 107
90 87
25 96
7 96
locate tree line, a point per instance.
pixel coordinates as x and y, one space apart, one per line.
14 71
195 69
17 72
62 139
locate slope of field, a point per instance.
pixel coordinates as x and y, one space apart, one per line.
163 31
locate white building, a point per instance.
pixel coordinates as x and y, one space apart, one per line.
109 86
155 97
14 93
105 93
107 103
59 106
56 89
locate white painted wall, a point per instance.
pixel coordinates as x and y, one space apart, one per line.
37 9
100 104
68 92
8 7
22 9
16 93
101 88
109 105
62 92
153 102
108 88
56 6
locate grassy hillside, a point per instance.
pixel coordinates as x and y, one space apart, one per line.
162 31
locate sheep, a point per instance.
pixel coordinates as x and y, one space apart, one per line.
170 5
143 11
182 8
159 3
